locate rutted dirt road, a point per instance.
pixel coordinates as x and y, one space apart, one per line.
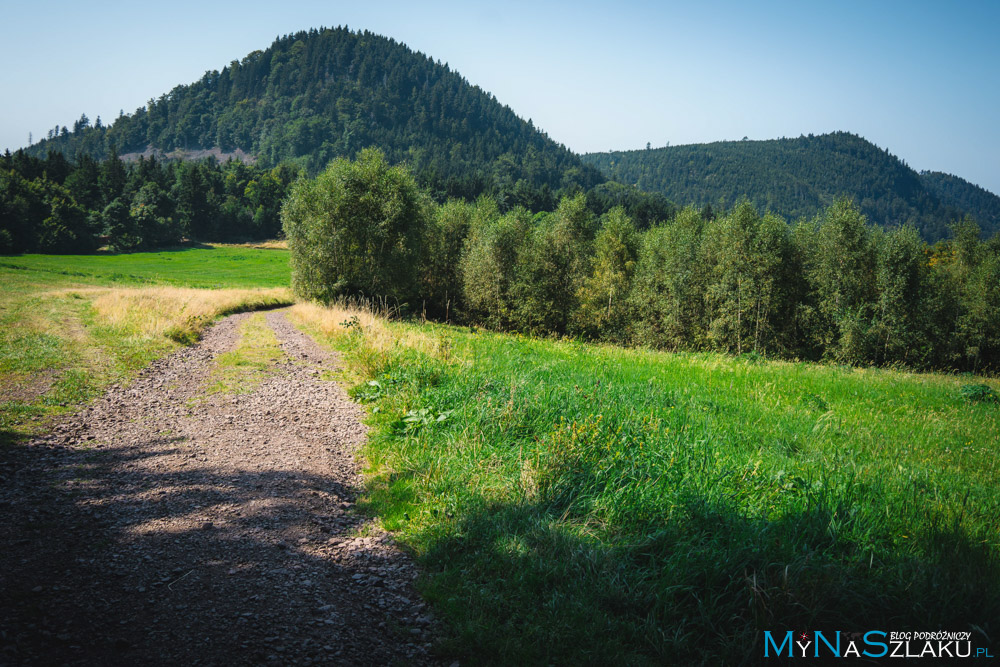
171 524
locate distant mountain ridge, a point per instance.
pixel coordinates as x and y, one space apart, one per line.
799 177
313 96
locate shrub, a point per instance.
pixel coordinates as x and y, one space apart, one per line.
355 229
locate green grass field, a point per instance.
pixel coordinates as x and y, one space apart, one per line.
582 504
71 325
203 267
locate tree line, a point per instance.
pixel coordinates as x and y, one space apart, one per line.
54 205
830 288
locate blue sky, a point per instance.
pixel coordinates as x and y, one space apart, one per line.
919 78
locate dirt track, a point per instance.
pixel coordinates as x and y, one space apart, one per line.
170 525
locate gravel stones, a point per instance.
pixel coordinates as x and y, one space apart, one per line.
169 525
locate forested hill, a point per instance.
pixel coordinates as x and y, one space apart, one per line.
800 177
313 96
959 194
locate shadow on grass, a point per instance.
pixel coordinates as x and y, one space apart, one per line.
187 245
528 584
9 438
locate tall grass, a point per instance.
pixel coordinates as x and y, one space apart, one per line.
367 321
585 504
176 312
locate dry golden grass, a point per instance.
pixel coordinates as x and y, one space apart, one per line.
177 312
336 318
373 323
273 244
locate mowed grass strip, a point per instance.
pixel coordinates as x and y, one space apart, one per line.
585 504
66 335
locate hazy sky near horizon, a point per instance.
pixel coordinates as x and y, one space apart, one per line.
919 78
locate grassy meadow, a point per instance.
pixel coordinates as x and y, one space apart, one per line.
72 325
204 266
573 503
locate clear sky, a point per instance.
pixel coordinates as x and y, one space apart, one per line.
919 78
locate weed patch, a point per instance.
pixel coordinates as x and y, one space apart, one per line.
243 369
979 393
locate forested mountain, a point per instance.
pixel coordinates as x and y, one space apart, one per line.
800 177
959 194
313 96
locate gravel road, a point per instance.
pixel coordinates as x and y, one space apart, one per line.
171 525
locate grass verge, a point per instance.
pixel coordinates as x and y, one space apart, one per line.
584 504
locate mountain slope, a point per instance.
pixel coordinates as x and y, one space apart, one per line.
964 196
317 95
793 177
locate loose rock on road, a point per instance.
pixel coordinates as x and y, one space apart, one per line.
168 524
